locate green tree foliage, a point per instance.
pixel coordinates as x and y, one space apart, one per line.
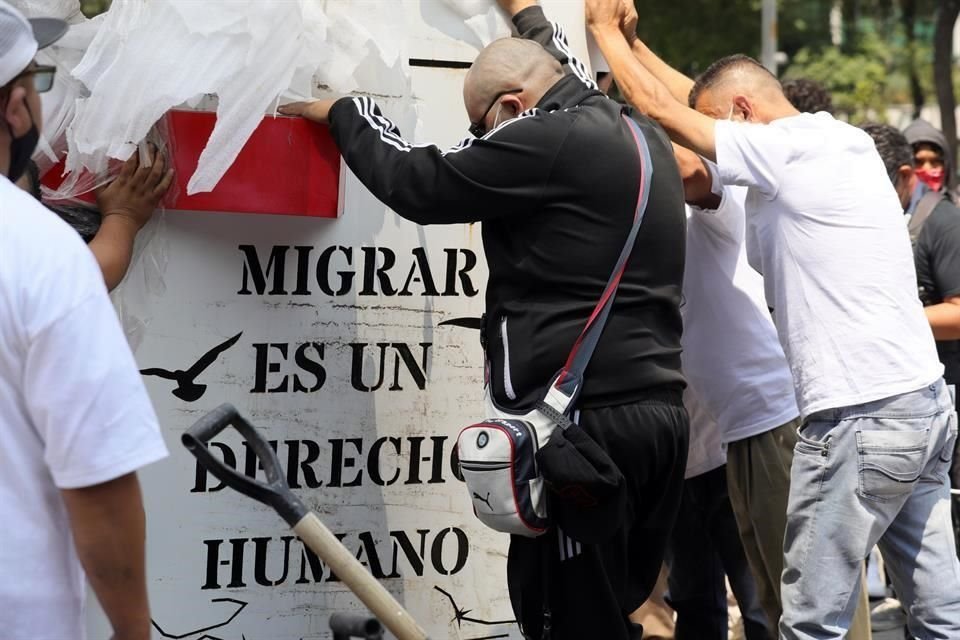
876 62
690 34
858 81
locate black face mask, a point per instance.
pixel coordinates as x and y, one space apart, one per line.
21 149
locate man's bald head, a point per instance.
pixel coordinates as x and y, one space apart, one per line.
739 82
506 65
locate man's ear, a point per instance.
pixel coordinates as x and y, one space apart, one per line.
742 106
514 103
16 113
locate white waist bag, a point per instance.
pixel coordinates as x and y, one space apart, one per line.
498 455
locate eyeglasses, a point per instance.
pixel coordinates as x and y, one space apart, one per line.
478 128
42 77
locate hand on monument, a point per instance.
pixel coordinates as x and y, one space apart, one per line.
316 111
137 190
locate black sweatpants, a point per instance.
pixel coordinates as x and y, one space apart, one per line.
592 589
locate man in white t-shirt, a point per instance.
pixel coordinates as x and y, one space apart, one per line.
734 362
827 233
74 415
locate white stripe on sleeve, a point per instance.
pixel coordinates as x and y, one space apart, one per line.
578 68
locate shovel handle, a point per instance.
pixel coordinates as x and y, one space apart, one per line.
206 428
353 574
274 492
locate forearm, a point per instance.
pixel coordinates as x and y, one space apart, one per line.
108 528
651 97
697 180
638 86
636 83
531 23
677 84
400 176
496 176
944 319
113 247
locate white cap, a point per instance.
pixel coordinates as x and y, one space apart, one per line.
20 39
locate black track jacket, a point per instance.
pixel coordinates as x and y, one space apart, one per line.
555 190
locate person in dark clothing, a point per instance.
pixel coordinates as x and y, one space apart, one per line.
934 223
931 162
936 244
553 175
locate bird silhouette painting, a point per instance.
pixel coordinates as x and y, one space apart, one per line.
187 389
466 323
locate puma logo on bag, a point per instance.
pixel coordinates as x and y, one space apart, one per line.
486 500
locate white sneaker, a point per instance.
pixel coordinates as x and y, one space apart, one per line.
888 615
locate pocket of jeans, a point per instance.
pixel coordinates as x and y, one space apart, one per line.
890 462
808 443
949 449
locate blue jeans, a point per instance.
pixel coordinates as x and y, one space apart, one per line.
872 474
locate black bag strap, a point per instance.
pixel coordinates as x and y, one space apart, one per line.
566 385
922 212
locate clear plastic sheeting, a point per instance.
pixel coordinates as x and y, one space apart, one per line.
59 104
149 57
483 17
145 279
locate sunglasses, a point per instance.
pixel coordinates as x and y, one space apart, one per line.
42 77
478 129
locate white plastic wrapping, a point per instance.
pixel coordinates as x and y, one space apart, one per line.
68 10
483 17
141 59
150 57
120 72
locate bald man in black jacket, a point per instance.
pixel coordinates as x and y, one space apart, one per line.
553 174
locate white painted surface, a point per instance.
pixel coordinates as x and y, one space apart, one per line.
186 294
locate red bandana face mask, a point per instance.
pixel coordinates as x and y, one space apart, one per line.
933 178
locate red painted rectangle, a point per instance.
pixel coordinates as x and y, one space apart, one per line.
289 166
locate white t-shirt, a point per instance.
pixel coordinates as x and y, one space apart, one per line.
829 239
706 451
731 355
73 412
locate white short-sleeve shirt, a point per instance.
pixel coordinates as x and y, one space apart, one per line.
732 358
825 228
73 412
705 451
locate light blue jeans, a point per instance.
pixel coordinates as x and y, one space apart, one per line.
872 474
